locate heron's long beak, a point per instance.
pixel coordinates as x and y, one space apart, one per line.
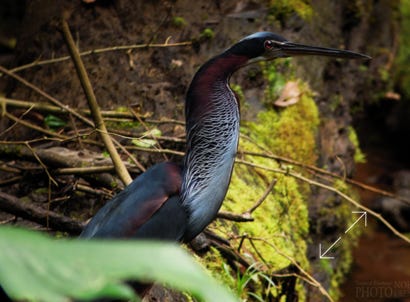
290 49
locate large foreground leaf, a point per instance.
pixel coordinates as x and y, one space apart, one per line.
38 268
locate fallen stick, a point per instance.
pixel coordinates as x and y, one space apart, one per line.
14 206
95 109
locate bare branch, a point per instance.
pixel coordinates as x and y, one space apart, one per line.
84 170
41 163
246 216
34 127
130 156
147 129
328 173
15 206
262 199
313 282
92 101
153 150
46 95
88 189
234 217
99 51
341 194
62 157
105 113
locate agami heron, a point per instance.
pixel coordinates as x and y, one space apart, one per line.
174 202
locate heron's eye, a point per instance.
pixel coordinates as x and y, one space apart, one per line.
268 44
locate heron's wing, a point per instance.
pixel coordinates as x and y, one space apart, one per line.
141 209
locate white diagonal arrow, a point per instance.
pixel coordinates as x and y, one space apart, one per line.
364 213
322 255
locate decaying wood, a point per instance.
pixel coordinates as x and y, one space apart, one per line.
63 157
15 206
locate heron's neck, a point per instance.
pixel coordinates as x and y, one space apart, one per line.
212 115
211 78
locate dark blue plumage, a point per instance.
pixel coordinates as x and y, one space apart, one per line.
137 210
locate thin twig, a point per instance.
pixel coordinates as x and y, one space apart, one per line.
77 134
34 127
328 173
132 157
88 189
41 163
152 150
5 113
234 217
48 203
261 200
8 221
46 95
6 168
147 129
15 206
105 113
267 154
246 216
60 157
83 170
256 250
332 189
295 275
92 101
225 249
129 135
300 268
99 51
10 181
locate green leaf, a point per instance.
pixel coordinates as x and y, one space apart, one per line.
147 142
143 142
35 267
154 132
53 121
207 34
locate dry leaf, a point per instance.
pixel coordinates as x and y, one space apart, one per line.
290 95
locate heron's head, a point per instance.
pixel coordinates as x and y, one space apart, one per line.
269 46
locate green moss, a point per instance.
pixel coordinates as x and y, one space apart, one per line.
179 22
402 61
122 125
239 92
359 156
276 74
341 215
283 9
214 263
122 109
207 34
114 184
335 101
290 132
43 190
